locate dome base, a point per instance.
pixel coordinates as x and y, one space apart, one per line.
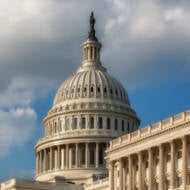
76 176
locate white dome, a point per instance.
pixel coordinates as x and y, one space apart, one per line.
90 109
91 83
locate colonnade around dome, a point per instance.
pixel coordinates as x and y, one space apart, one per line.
71 156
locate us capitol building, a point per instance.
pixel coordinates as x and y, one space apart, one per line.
92 140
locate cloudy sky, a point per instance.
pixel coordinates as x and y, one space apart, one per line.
146 45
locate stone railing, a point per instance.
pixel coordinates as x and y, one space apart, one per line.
97 184
151 129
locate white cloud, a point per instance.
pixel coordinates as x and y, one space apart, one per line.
40 45
16 128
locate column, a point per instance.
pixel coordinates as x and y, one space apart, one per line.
45 160
58 156
67 156
150 175
161 164
50 159
55 159
86 155
120 174
111 175
130 172
184 160
62 158
172 171
97 152
140 170
37 163
41 162
76 155
70 157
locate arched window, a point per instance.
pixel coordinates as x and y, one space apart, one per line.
92 89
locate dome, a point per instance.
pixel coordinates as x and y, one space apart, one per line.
90 108
91 83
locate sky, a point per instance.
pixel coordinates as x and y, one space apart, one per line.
146 45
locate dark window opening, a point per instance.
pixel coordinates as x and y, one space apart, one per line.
116 124
122 126
83 123
108 123
91 122
100 121
91 89
100 158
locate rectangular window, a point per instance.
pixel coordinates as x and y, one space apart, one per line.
91 122
108 123
100 121
122 126
83 126
75 123
116 124
101 156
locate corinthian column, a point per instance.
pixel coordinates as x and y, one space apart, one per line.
58 156
161 167
140 170
97 154
184 160
76 155
150 176
86 155
111 175
121 174
172 171
130 172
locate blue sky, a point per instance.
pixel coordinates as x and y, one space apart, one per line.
145 46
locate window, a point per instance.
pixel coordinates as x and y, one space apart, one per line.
98 89
128 126
100 158
75 123
122 126
92 155
92 89
116 124
105 89
84 89
100 121
67 123
111 91
116 92
83 126
91 123
108 123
